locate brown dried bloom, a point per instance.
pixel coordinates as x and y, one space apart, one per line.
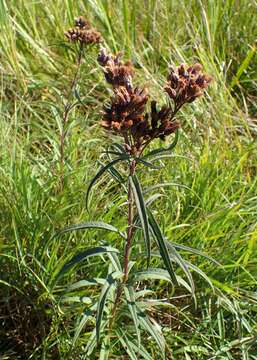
186 83
82 23
125 110
83 33
116 72
126 113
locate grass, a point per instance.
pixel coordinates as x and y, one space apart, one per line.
211 204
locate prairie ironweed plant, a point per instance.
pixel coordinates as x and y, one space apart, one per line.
122 312
84 35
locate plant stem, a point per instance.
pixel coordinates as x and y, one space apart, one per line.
67 108
132 169
130 223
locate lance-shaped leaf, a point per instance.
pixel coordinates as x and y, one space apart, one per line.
154 330
91 225
141 208
123 157
163 150
131 301
95 251
148 164
193 251
110 282
87 315
162 245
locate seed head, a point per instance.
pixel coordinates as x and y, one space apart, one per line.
83 33
116 72
82 23
125 111
186 83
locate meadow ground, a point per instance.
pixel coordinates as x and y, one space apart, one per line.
210 205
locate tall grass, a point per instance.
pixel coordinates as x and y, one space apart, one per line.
210 205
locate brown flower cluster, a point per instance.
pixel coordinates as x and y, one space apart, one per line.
116 72
126 112
83 32
186 83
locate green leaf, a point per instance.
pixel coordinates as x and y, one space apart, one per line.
162 150
131 301
162 245
90 225
148 164
141 208
193 251
105 348
154 330
126 345
115 261
152 274
76 299
102 171
83 283
95 251
86 316
110 281
179 260
201 273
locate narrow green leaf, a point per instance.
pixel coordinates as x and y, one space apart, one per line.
126 345
141 208
83 283
110 281
148 164
90 225
131 301
162 150
115 261
95 251
154 330
76 299
86 316
162 245
152 274
193 251
201 273
101 172
179 260
105 348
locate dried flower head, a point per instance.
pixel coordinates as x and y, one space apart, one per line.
186 83
83 32
125 110
126 113
82 23
116 72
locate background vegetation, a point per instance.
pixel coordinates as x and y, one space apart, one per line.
211 204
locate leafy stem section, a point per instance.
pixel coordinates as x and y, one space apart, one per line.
130 221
